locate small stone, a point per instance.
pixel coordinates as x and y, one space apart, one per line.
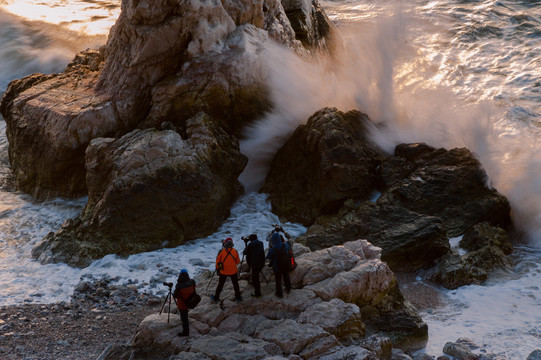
63 343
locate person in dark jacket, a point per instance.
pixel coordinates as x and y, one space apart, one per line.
280 230
279 274
184 288
255 258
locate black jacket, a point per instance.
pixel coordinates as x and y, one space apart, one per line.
255 254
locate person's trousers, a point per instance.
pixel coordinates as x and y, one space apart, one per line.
255 281
278 276
185 322
221 282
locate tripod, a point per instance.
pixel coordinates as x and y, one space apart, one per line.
168 297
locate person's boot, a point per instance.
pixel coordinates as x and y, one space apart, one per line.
214 298
184 333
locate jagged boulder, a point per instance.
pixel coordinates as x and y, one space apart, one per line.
302 323
150 189
324 163
449 184
409 241
50 120
488 249
427 194
228 85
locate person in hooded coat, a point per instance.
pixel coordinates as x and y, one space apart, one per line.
184 288
255 258
279 274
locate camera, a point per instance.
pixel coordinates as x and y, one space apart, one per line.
168 284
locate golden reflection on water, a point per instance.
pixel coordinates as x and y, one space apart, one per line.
88 17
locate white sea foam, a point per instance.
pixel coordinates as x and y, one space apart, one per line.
501 315
25 280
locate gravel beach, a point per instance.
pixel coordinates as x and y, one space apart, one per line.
97 315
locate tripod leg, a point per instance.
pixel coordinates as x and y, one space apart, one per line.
210 280
165 302
169 313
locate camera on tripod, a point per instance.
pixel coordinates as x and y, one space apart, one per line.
168 297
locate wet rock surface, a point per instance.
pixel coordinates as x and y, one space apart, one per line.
487 247
409 241
427 195
449 184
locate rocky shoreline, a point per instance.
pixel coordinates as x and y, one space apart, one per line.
98 314
148 126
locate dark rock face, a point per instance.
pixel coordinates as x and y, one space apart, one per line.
488 248
409 241
449 184
150 189
324 163
483 235
311 25
427 194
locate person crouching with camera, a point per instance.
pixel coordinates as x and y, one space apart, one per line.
184 288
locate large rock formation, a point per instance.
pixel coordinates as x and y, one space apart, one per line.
344 303
156 52
324 163
150 189
449 184
325 172
50 119
410 241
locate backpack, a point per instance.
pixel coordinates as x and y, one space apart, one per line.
220 265
192 300
285 260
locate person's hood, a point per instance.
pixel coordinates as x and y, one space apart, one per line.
183 277
276 241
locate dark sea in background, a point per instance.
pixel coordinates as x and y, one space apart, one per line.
448 73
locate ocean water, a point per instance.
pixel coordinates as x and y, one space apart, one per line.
450 73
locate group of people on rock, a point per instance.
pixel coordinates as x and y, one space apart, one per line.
226 267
